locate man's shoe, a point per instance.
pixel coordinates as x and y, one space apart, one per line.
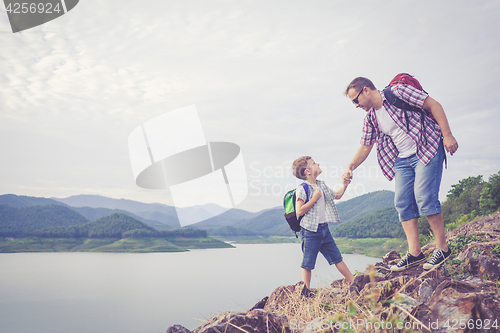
437 259
408 261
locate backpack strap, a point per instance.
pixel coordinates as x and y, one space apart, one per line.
306 188
400 104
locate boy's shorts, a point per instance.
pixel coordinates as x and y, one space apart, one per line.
320 241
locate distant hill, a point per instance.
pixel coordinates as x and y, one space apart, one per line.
228 218
162 222
269 223
230 231
163 213
155 211
379 224
272 222
365 204
96 213
116 225
15 221
113 225
25 201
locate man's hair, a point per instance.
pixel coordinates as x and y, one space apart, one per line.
359 83
299 167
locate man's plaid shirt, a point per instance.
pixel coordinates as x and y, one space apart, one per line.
310 221
386 149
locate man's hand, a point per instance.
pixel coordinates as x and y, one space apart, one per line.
347 176
450 144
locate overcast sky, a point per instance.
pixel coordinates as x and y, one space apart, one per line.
266 75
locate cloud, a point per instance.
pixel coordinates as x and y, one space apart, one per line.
268 76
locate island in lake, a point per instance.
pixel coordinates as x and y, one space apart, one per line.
113 233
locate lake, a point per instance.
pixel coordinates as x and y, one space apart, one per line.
146 292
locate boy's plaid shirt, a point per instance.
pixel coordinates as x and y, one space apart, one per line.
386 149
310 221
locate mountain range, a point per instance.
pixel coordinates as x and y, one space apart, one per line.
235 222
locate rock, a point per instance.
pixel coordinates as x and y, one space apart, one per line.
254 321
261 304
471 250
407 303
425 289
363 278
390 258
284 295
485 267
455 302
177 329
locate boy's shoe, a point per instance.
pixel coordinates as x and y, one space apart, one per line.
408 261
437 259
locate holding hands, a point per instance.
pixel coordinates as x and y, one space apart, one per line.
347 177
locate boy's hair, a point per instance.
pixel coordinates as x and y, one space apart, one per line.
299 167
359 83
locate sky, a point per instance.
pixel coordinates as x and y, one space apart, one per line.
268 76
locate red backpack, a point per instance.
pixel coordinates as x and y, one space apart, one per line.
404 78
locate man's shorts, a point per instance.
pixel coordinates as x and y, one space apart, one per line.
320 241
417 186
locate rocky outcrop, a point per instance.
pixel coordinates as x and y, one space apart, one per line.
462 296
253 321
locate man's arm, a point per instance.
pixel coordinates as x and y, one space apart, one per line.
359 157
449 141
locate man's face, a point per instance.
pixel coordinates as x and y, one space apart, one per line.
361 98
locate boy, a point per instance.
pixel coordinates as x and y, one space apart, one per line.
318 211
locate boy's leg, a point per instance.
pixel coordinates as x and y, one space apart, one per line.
344 270
332 253
311 242
306 277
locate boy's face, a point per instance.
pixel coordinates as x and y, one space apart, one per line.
313 168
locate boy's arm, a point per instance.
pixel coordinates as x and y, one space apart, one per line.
302 208
341 190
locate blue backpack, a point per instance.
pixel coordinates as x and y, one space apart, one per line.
289 205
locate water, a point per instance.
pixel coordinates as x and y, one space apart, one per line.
147 292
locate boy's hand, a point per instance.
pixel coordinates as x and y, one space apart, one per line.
316 194
346 182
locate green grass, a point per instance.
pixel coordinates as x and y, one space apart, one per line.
372 247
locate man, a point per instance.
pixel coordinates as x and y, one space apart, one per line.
410 150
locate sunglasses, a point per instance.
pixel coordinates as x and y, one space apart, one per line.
356 101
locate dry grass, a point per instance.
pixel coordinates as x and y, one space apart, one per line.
340 310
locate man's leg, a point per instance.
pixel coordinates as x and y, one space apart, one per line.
405 204
427 183
412 235
437 226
